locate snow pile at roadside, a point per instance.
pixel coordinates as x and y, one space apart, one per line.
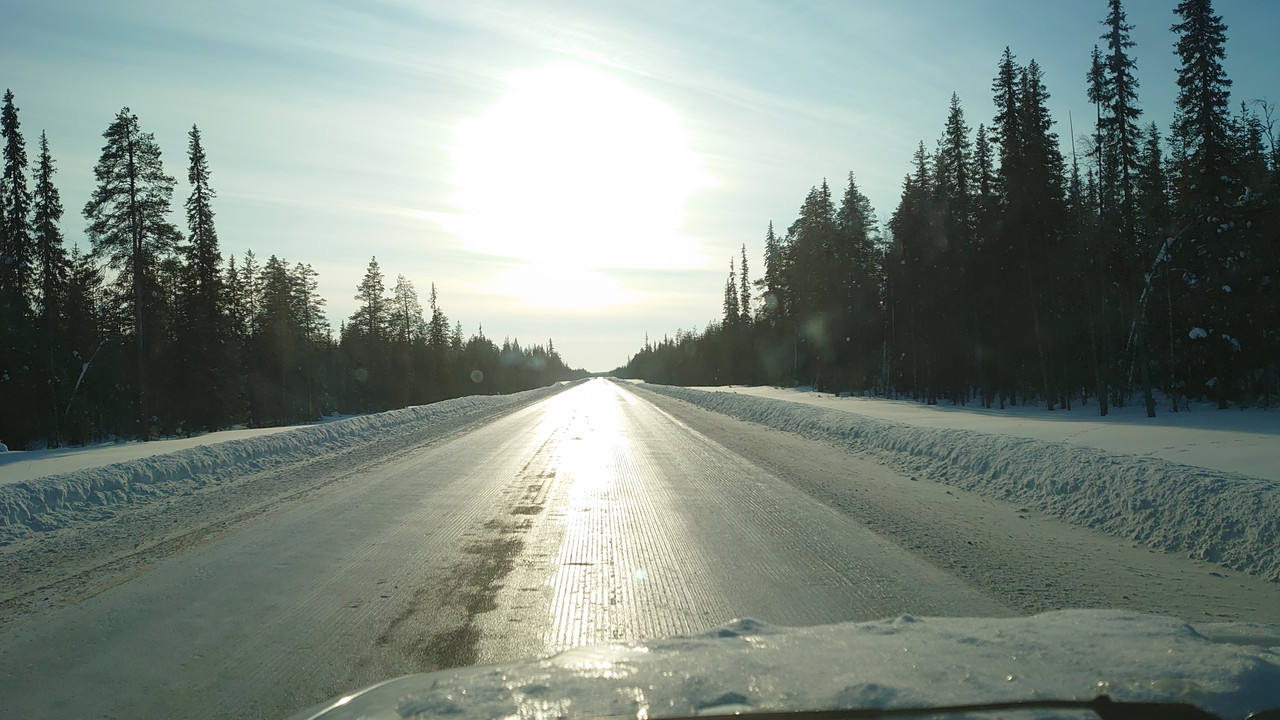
906 662
50 502
1222 517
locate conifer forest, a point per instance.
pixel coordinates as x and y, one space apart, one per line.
152 333
1129 264
1123 263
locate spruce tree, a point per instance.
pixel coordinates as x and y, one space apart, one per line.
856 290
438 325
53 270
1203 194
53 266
731 312
1119 127
202 336
203 257
744 290
16 282
16 253
129 223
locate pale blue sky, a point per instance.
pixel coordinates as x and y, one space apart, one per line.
331 127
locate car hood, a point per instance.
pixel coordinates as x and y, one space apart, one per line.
1230 670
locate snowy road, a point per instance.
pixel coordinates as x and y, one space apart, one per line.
601 513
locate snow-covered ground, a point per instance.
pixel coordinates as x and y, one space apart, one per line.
20 466
48 489
903 662
1239 441
1201 510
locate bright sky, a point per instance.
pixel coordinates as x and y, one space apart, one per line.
580 171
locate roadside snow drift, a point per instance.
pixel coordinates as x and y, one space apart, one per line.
906 662
50 502
1212 515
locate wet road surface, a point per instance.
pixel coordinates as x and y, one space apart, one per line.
594 515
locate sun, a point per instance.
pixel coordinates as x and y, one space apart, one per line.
575 170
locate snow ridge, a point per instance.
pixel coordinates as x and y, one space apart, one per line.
1212 515
51 502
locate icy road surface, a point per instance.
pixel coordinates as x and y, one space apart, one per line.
602 513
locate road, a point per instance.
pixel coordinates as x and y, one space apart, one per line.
603 513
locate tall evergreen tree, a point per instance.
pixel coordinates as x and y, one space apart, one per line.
53 270
856 288
16 261
732 315
1005 127
370 318
129 223
407 323
204 360
53 266
16 282
438 325
1204 193
203 257
1120 124
744 289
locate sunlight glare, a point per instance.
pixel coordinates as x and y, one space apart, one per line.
575 168
551 286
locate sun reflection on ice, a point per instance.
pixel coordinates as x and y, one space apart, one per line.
594 579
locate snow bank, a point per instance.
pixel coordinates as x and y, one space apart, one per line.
53 501
22 465
906 662
1208 514
1237 441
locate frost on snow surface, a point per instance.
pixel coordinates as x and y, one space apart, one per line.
747 666
1205 513
46 503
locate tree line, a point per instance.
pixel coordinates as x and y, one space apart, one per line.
1016 270
150 333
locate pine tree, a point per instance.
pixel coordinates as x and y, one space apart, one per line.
309 303
408 325
744 290
128 223
370 318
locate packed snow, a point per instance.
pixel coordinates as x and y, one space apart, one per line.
1203 512
47 501
747 666
19 466
1238 441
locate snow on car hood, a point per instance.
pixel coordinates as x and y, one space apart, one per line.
1229 670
